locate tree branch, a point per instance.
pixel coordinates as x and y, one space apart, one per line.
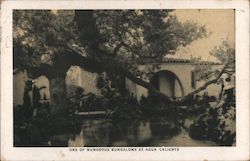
185 98
117 48
111 65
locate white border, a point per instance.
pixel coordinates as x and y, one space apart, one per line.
240 152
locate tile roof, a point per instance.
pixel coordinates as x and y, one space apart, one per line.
189 61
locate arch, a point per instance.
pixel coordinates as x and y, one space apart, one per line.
168 83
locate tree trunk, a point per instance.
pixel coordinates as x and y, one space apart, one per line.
57 95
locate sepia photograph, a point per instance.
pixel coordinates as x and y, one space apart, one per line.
92 80
124 78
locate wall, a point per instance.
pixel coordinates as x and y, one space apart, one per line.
43 81
18 87
183 73
178 89
75 77
78 77
73 80
215 89
89 81
136 90
166 83
19 83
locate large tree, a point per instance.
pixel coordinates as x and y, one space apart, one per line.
114 41
40 38
126 39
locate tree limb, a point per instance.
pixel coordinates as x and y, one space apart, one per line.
185 98
108 64
117 48
111 65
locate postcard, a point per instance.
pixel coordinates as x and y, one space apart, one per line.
124 80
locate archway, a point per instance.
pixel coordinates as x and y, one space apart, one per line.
168 83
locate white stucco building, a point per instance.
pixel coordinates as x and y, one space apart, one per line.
174 78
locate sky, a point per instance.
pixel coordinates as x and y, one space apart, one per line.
220 25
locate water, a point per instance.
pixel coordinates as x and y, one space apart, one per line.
106 133
182 139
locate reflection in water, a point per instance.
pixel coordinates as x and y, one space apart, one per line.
93 133
182 139
129 133
105 133
144 132
101 132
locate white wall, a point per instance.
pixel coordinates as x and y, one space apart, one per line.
19 83
89 82
178 90
78 77
135 89
215 89
43 81
183 72
18 87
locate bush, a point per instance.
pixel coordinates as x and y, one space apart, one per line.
153 106
218 125
124 107
162 126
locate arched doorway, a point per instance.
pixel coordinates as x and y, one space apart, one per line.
168 83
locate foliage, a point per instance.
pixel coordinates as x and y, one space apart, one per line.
154 106
85 102
164 127
134 37
36 131
41 35
121 107
225 54
113 41
101 81
203 72
124 108
217 124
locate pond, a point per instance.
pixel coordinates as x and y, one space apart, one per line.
106 133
